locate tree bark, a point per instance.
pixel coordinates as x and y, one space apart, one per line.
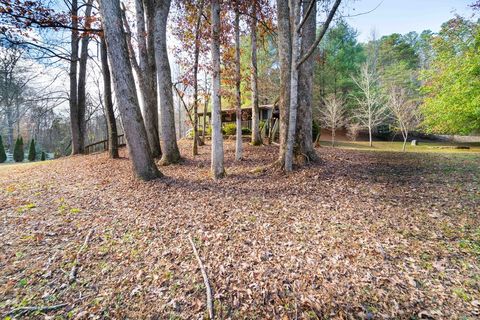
82 80
108 103
168 138
238 105
256 140
304 149
128 105
217 168
73 100
147 77
292 117
196 138
285 57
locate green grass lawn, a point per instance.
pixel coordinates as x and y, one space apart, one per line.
396 146
16 165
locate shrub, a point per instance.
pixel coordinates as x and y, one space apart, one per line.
31 151
230 129
18 154
353 130
3 155
43 157
246 131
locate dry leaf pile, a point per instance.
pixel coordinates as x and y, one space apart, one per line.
364 235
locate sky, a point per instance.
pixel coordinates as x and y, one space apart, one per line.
402 16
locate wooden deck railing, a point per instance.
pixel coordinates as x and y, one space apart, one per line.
101 146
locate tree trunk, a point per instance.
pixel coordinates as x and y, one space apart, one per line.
292 118
405 137
73 99
370 136
147 77
217 168
333 137
108 103
238 105
168 138
82 80
196 138
304 140
256 140
285 57
128 105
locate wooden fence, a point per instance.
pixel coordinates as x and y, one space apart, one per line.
101 146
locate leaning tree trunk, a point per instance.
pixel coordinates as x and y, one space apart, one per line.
168 137
238 105
128 105
285 58
292 117
147 76
82 80
108 103
73 99
256 140
304 150
217 168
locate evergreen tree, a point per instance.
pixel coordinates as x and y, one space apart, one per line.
3 155
18 154
31 151
44 156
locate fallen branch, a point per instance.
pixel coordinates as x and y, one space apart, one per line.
205 280
73 273
26 310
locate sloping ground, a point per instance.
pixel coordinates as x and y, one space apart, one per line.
362 235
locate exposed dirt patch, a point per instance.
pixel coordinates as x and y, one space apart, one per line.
361 235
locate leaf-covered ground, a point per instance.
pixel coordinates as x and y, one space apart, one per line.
362 235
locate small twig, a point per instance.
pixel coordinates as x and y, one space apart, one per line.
205 280
26 310
73 273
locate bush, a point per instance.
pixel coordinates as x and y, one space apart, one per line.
246 131
31 151
18 154
43 157
3 155
230 129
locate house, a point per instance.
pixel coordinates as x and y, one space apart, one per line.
268 113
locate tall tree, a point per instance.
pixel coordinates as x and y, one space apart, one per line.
168 141
73 98
285 58
82 81
304 149
144 13
217 168
108 103
452 83
370 111
123 79
198 26
256 139
296 59
238 79
404 111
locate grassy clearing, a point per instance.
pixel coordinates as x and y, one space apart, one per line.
396 146
16 165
